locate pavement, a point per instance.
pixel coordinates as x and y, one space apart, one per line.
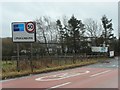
100 75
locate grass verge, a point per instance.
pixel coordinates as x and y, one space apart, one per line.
45 70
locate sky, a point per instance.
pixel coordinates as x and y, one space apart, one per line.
29 11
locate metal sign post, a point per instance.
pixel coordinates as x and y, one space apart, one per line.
18 57
31 65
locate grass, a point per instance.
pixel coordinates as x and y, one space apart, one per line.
9 69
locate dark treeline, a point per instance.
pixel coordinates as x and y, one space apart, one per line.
66 36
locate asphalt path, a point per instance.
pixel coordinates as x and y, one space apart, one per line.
100 75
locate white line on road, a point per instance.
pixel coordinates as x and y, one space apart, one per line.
59 85
60 76
100 73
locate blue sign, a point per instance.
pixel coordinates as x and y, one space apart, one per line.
18 27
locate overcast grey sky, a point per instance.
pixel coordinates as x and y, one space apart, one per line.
27 11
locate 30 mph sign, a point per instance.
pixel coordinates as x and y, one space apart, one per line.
30 27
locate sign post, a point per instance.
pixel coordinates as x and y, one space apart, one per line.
18 57
31 65
23 32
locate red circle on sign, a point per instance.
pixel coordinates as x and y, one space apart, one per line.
30 27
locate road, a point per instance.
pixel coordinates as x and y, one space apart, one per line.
101 75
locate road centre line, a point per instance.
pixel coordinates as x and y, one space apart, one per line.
100 73
59 85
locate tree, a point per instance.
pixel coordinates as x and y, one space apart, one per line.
64 34
61 33
107 32
8 48
42 31
46 31
77 30
93 29
71 32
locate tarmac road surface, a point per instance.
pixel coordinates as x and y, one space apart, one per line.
101 75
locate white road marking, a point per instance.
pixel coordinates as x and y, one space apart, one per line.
54 77
60 76
59 85
100 73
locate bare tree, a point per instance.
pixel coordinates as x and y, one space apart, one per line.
41 31
46 31
93 29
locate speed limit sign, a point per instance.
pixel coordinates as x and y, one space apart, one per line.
23 31
30 27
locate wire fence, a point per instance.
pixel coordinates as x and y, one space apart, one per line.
26 64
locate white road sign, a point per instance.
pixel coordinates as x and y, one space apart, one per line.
99 49
23 31
111 53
